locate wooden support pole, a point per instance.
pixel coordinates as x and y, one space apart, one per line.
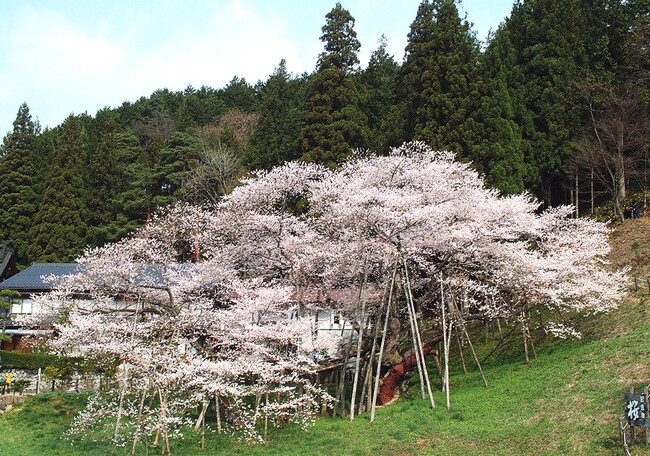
528 336
340 392
266 417
201 417
218 412
632 436
471 346
416 350
647 429
623 432
138 428
438 363
357 364
368 375
381 348
523 331
203 431
444 341
460 350
418 338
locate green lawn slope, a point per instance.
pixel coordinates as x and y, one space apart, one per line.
564 402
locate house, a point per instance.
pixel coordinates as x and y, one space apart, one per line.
29 282
32 281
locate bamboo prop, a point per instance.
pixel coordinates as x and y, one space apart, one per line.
418 337
138 428
460 350
471 345
530 338
203 435
340 391
365 392
368 375
163 404
218 412
413 337
523 331
119 412
126 373
201 417
381 348
450 327
416 347
169 451
436 360
444 341
266 417
357 364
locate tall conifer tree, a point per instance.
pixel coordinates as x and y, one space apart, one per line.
441 61
335 124
545 37
379 82
17 196
496 146
275 139
59 232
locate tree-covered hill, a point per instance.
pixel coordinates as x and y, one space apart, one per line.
556 103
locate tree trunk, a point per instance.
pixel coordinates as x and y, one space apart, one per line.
397 373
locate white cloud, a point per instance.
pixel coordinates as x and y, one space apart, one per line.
236 40
51 45
66 68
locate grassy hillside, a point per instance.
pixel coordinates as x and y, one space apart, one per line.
565 402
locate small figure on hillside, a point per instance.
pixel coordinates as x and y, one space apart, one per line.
636 210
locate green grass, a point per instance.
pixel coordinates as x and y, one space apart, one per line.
565 402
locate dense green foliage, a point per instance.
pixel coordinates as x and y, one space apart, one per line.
18 360
334 122
17 194
557 97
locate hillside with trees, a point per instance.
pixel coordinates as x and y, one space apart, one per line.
555 103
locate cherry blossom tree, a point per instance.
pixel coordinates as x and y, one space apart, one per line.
218 304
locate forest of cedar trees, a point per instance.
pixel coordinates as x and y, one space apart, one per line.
555 102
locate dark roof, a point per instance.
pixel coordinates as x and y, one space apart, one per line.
31 279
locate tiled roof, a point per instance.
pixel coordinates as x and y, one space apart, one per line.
32 277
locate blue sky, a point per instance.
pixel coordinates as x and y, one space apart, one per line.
80 55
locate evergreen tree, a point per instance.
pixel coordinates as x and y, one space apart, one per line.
275 139
108 166
145 177
59 231
177 160
17 196
545 36
239 94
496 146
379 93
334 122
441 61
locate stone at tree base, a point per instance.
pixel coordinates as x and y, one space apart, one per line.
7 401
